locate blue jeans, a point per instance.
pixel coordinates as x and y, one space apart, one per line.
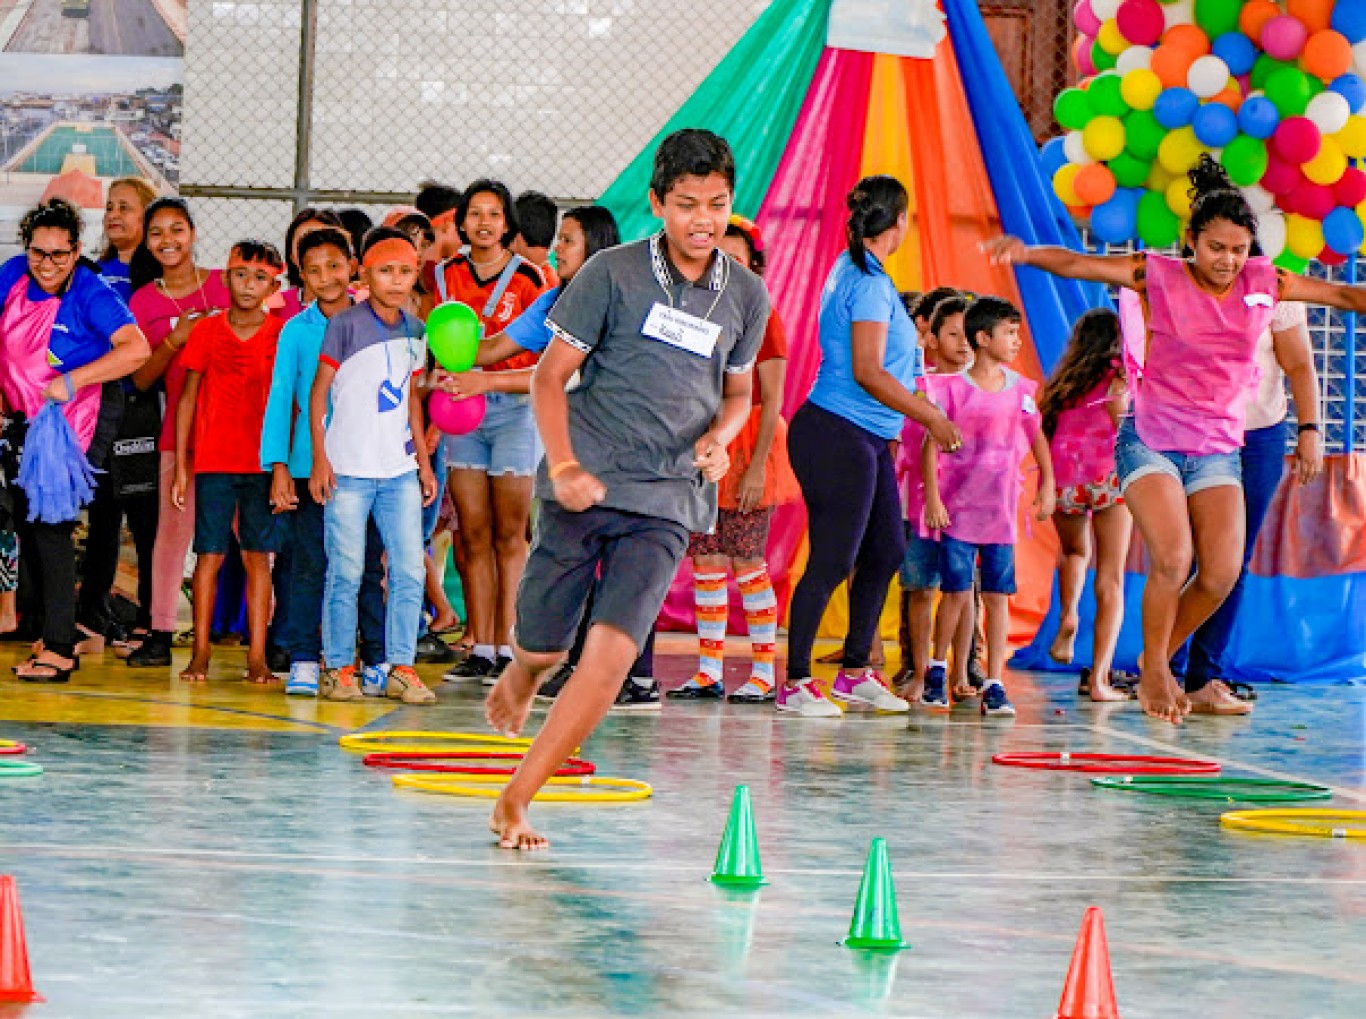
308 576
1263 462
396 505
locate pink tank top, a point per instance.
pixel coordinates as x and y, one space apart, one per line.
1083 445
1201 357
980 484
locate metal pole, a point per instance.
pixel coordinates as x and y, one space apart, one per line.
1349 371
303 128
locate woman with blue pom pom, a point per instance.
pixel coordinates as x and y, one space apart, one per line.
63 333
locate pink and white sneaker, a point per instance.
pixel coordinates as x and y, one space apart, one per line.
806 699
867 689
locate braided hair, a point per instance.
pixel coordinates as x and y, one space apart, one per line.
875 206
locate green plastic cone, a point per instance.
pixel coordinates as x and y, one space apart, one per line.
875 924
737 860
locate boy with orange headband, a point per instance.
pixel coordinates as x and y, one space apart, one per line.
366 464
228 360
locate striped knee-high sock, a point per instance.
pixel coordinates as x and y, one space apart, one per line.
712 602
761 614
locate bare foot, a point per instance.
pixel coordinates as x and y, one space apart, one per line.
1064 647
198 669
1157 695
1214 698
259 673
444 624
964 691
509 702
1103 693
509 822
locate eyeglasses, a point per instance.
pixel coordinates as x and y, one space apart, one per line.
40 256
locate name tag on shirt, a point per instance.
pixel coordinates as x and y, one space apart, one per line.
1259 300
679 329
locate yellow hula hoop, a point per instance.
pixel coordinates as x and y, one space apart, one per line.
1321 822
406 742
624 790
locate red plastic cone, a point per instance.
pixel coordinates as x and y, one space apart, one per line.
15 982
1090 990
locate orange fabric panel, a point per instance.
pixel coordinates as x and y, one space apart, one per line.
887 149
1316 530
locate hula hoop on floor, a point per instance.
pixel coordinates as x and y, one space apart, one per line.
1108 764
19 769
1304 821
592 788
9 746
571 768
1233 790
407 742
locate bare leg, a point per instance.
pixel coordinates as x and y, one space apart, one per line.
205 588
1074 535
470 489
952 608
920 622
962 652
1158 505
257 566
1113 528
444 618
607 655
511 508
1218 522
9 614
998 633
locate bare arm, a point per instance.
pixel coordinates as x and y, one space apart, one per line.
869 340
497 348
936 515
466 384
154 366
772 374
184 424
129 350
1296 359
1115 270
1316 291
322 480
1046 498
575 489
417 421
1118 400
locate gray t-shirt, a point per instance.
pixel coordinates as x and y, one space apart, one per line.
643 403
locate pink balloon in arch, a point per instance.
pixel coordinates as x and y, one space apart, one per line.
1141 22
455 417
1284 37
1086 19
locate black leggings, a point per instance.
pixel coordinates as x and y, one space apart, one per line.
47 576
101 562
854 524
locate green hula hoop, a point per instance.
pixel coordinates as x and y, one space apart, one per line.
19 769
1230 790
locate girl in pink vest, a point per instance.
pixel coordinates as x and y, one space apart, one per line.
1177 455
1081 407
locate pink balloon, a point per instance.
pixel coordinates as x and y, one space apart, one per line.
1297 140
1350 191
455 417
1141 22
1330 257
1313 201
1281 178
1283 37
1086 18
1081 55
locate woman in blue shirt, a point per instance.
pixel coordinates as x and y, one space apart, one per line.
63 333
840 445
127 199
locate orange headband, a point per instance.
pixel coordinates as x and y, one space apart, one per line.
391 249
236 261
446 217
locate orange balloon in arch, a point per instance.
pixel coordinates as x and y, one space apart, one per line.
1254 16
1171 65
1315 14
1327 55
1189 38
1232 96
1094 184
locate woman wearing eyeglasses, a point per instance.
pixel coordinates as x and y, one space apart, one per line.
63 333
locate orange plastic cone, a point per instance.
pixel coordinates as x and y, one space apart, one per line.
1090 990
15 982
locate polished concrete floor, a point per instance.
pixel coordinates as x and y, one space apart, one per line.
211 852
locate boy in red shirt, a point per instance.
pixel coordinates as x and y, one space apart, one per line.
229 359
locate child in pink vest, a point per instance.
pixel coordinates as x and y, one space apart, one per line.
971 498
1177 455
948 351
1081 406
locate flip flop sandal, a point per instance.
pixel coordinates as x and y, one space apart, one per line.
453 628
1084 683
1243 691
54 673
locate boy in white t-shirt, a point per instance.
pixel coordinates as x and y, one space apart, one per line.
366 463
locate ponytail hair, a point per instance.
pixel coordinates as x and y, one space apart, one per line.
1213 197
875 205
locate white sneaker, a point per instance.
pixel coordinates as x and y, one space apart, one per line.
303 679
866 689
806 699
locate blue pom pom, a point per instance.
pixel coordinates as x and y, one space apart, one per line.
54 473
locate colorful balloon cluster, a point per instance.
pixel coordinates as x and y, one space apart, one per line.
1274 91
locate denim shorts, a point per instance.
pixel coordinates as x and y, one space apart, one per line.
505 442
920 566
221 498
958 561
1134 459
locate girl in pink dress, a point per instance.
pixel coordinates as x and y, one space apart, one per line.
1177 453
1081 407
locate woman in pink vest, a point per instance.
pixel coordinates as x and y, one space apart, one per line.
1177 454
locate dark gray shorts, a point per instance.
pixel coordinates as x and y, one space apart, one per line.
632 558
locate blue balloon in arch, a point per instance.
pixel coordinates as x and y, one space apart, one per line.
1351 88
1116 222
1259 118
1215 125
1176 107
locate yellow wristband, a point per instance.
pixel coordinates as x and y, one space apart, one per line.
561 467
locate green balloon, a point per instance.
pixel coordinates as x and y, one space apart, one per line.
1245 160
1288 88
1217 17
453 331
1073 109
1104 61
1106 97
1143 135
1158 226
1130 171
1264 68
1292 262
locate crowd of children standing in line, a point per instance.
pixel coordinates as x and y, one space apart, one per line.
289 423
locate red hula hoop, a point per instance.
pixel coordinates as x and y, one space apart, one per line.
420 761
1108 764
7 749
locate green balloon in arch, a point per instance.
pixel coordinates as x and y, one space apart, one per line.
453 333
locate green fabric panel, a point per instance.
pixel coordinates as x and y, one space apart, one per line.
752 100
